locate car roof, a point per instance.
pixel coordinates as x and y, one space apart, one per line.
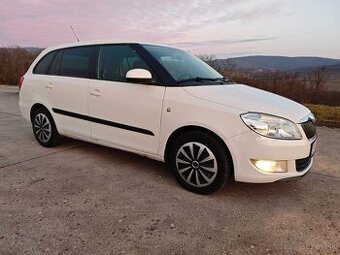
100 42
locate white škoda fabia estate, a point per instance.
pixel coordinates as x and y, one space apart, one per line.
166 104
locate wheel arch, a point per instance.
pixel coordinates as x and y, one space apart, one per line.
35 107
182 130
53 139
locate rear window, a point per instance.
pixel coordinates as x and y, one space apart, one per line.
44 64
76 62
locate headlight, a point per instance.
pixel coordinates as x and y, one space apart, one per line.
310 116
272 126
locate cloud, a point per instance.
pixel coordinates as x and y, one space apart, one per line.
222 42
46 22
203 26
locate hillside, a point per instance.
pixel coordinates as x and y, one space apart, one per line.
302 65
279 63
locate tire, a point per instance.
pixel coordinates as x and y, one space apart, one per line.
44 128
207 170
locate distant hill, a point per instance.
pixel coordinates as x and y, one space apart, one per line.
330 68
302 65
280 63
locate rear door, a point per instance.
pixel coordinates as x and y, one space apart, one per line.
67 86
124 113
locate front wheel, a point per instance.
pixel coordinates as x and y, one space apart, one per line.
44 128
200 162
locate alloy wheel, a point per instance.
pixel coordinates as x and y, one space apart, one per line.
196 164
42 127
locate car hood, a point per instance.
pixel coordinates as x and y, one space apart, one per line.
249 99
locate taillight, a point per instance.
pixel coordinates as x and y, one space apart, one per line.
21 80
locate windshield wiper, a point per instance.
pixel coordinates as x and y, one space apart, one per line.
198 79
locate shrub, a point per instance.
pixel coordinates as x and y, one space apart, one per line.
14 62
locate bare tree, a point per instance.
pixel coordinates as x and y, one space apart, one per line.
229 67
14 62
318 79
208 58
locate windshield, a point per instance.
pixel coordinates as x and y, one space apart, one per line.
182 66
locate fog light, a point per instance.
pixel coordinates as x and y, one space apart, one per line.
270 166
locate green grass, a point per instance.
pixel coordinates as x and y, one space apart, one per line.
325 112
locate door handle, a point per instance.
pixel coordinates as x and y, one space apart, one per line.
96 93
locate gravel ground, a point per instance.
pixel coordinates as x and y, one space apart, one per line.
80 198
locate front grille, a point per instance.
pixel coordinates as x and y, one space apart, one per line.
302 163
309 128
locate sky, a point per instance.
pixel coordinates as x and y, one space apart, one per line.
225 28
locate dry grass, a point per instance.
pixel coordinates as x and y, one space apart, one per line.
326 115
333 84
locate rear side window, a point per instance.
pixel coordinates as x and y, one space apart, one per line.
114 61
44 64
76 62
54 68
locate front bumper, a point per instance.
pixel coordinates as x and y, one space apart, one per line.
250 145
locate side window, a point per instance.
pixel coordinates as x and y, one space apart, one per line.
114 61
44 64
54 68
76 62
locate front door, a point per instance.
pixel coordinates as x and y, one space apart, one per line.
124 114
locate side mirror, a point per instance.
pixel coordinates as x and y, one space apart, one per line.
138 76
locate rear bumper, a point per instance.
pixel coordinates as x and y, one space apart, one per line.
249 146
25 111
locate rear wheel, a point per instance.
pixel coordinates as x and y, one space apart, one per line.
200 162
44 128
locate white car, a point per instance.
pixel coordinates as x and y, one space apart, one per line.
166 104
